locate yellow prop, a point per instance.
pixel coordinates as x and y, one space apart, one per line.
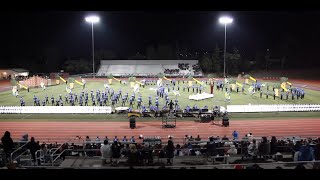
132 84
284 87
116 79
62 79
22 86
166 78
239 84
289 83
71 85
80 83
198 81
139 82
253 79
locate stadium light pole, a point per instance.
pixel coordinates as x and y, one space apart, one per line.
225 20
92 20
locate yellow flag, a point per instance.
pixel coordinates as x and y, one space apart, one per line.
22 86
284 87
239 84
78 82
253 79
198 81
62 79
116 79
139 82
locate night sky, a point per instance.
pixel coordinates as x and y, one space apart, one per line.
66 32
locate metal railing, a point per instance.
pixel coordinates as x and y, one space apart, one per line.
265 165
20 148
57 155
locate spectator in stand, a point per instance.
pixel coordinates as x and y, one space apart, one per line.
252 149
88 139
198 138
147 154
211 148
106 152
106 138
306 153
8 145
170 152
225 138
133 155
115 148
296 148
124 150
317 151
97 139
273 146
88 142
264 148
44 150
24 139
250 136
233 150
33 147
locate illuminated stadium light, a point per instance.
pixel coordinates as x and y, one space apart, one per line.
225 20
92 19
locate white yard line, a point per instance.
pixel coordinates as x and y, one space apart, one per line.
26 116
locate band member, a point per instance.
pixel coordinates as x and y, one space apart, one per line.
76 98
47 99
150 101
22 103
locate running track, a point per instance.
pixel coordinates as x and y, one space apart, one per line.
64 131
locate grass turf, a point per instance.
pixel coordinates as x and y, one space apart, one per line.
7 99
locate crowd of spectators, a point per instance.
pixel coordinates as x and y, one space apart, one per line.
143 152
197 69
171 71
183 66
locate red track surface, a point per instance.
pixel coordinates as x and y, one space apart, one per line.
63 131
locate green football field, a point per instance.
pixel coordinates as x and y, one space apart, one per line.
7 99
311 97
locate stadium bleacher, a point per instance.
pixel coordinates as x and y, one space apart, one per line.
191 152
148 67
